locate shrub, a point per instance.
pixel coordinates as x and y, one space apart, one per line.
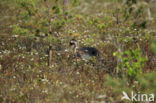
131 63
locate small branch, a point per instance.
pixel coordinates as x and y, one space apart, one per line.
65 6
50 56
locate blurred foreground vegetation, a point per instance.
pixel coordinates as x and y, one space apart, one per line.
124 32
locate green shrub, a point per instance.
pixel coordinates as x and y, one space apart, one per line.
20 31
153 46
145 84
131 63
28 5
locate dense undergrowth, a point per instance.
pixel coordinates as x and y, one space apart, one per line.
121 31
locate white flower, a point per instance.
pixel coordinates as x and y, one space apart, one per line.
45 80
66 50
15 36
101 96
14 77
32 59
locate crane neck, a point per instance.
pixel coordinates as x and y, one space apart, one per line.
75 47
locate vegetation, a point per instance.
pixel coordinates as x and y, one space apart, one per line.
122 30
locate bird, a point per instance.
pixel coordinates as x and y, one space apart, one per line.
86 53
